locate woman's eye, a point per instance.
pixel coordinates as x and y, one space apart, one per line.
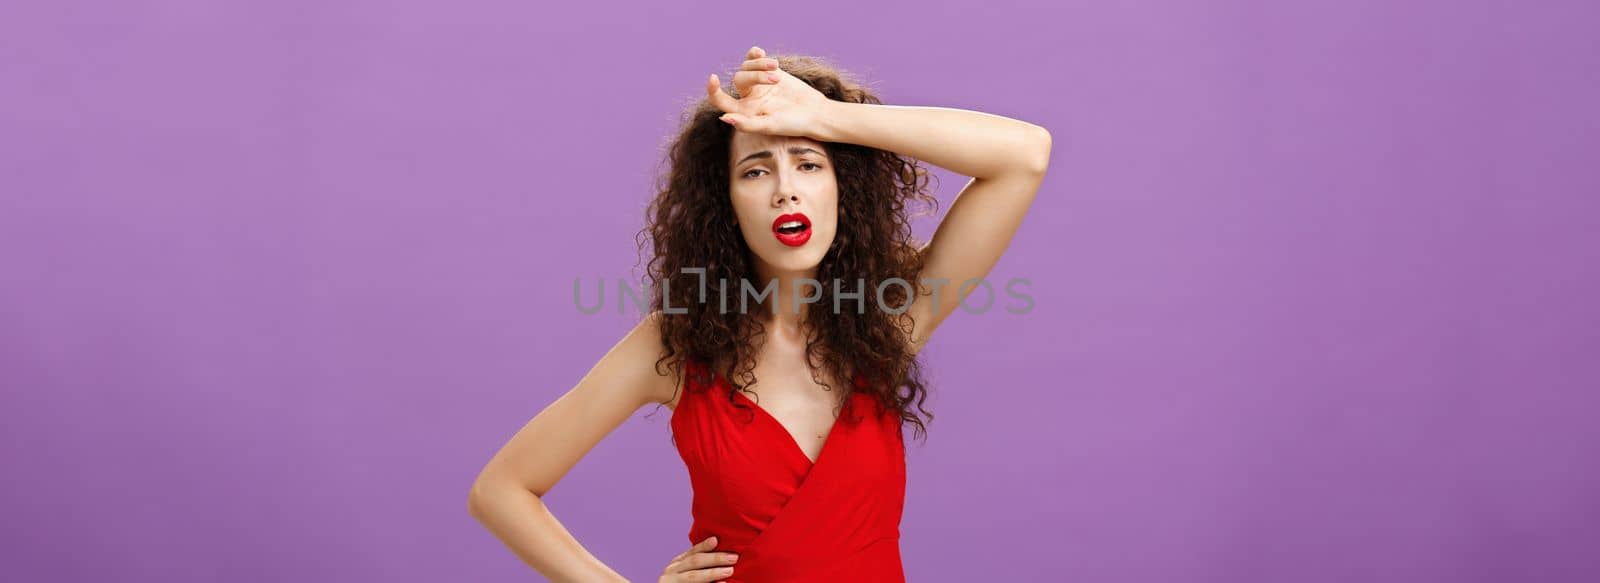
808 166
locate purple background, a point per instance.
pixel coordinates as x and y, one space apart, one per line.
1315 284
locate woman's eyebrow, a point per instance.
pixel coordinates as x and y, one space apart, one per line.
793 151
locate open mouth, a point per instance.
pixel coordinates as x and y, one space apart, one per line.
792 229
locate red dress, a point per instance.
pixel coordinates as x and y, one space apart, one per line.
790 519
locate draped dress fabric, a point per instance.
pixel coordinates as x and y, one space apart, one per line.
790 519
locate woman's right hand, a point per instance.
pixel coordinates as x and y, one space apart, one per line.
699 564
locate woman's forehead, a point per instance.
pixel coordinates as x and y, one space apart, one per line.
745 144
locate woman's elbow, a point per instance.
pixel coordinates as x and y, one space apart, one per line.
485 490
1039 151
478 499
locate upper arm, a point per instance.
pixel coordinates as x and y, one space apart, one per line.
973 235
624 380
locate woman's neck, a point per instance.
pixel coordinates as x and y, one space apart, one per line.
786 308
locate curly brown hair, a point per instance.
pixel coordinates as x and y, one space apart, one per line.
690 224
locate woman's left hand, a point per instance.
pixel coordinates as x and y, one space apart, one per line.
772 101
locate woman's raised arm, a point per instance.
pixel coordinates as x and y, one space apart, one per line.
1006 159
506 496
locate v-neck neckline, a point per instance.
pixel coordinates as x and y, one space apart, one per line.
794 445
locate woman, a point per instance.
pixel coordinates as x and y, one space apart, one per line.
783 253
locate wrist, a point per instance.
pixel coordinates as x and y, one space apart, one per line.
833 121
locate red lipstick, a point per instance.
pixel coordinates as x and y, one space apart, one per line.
792 235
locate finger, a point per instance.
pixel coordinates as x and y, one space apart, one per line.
744 123
720 99
745 81
755 53
716 574
709 543
743 78
762 64
704 560
758 124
